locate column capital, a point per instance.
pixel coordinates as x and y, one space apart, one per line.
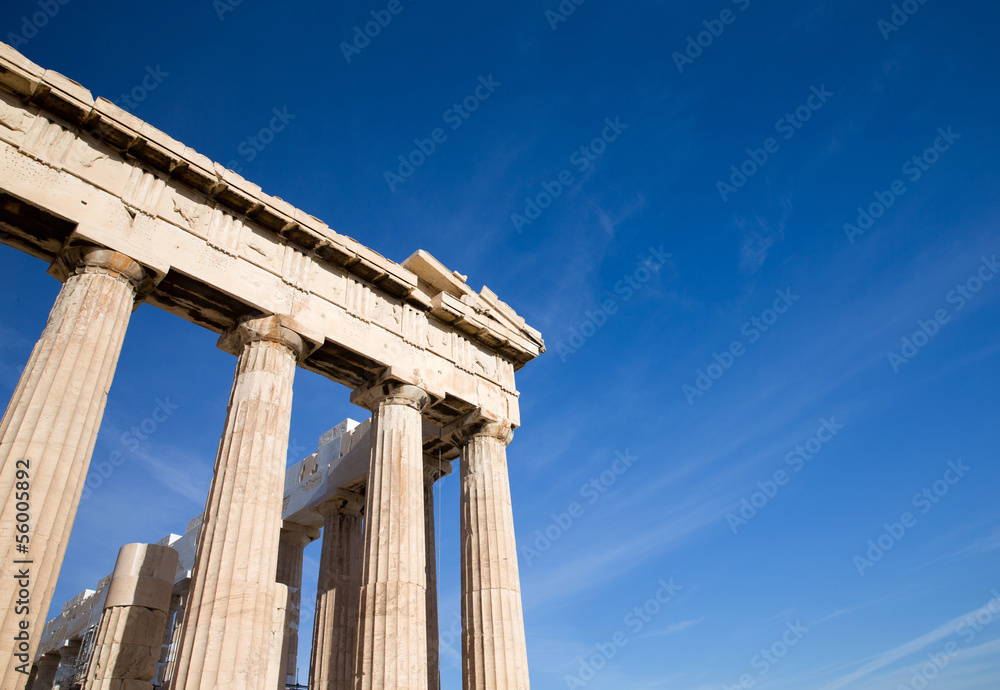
304 534
69 649
478 423
346 502
50 660
390 389
92 259
434 469
277 328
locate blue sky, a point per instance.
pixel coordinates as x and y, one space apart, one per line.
864 99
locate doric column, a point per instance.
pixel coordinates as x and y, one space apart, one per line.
293 539
494 653
392 632
31 677
336 622
434 469
230 635
47 667
126 648
170 665
69 654
168 635
48 432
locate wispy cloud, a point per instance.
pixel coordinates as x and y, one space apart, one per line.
674 628
903 651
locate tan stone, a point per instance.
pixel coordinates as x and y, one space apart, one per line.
69 654
48 433
336 623
294 538
494 651
172 637
229 629
126 648
46 675
422 345
434 469
392 629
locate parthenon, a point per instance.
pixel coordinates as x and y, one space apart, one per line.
124 215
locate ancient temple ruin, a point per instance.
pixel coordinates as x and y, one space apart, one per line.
124 215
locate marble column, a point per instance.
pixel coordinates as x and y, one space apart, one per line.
48 433
291 542
126 648
47 667
336 622
392 632
168 635
30 683
170 665
434 469
69 654
494 652
230 636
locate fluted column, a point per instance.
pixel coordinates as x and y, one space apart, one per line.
293 539
168 636
336 623
392 632
230 637
126 648
434 469
494 653
47 437
174 643
69 654
46 676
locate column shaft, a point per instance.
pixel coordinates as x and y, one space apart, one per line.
289 573
433 470
168 636
494 653
170 667
336 623
48 433
46 676
392 633
229 632
129 639
69 654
